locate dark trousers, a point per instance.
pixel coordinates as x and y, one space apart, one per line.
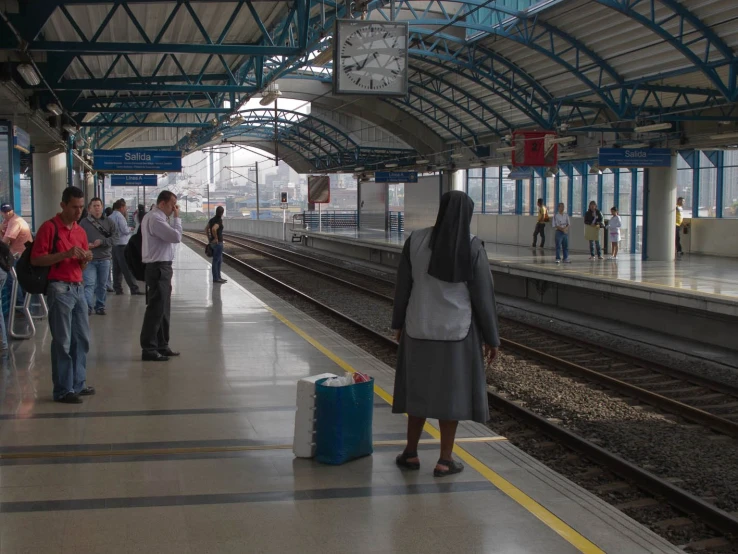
121 269
679 240
540 230
155 328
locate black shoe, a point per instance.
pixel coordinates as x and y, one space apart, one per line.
118 292
109 289
221 281
137 293
168 352
87 391
153 357
69 398
100 312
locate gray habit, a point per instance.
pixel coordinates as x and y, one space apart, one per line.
440 364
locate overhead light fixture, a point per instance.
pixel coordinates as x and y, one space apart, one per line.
457 155
724 136
595 170
422 161
270 94
87 151
54 108
324 57
552 172
390 165
568 154
236 121
29 74
476 164
360 168
652 128
69 128
218 135
637 145
504 149
563 140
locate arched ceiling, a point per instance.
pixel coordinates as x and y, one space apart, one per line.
478 69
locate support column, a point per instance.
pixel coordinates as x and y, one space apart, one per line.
50 179
660 189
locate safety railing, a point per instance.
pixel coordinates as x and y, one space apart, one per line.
330 220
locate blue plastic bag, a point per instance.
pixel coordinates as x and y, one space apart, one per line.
343 426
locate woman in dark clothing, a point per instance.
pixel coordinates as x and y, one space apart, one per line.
445 319
593 223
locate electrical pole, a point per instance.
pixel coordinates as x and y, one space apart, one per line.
257 189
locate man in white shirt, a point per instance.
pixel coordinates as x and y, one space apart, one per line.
158 240
560 222
120 267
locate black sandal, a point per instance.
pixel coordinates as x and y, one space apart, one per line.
402 460
453 468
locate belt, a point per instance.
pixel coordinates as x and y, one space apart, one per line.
66 282
158 263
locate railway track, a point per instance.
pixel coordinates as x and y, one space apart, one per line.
711 528
694 398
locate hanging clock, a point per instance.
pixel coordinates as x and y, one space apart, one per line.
370 57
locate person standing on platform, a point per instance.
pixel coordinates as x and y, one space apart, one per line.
215 235
445 319
109 284
158 240
541 223
679 223
101 235
61 245
593 223
560 222
16 233
119 217
613 227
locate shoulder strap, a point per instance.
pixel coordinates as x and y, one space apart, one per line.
100 228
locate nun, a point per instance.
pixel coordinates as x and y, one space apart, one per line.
445 320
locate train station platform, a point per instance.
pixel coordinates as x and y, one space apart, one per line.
646 294
194 455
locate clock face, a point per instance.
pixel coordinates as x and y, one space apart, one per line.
372 58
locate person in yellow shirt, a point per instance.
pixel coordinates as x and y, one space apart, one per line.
541 223
679 222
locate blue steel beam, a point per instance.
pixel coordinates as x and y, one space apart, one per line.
92 48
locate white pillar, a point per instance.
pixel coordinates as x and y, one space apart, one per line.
49 181
660 221
458 179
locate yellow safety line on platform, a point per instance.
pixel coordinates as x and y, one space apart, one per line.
576 539
199 449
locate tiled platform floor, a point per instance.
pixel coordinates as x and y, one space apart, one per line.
193 455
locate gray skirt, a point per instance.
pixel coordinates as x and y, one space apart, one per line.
442 380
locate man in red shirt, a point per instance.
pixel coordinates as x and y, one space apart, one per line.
62 244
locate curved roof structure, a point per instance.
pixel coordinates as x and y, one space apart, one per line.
478 69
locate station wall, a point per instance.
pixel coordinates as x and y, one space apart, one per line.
421 203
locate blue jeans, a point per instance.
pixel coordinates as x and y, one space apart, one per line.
592 245
70 337
217 260
96 282
3 332
562 241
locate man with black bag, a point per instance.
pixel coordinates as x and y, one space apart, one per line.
61 246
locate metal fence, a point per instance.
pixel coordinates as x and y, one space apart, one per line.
330 220
397 222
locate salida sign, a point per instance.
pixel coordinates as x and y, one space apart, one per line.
151 161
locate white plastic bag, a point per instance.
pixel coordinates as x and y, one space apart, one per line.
344 381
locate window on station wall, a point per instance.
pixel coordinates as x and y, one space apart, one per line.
708 187
492 190
508 192
608 192
550 194
623 204
592 182
537 193
563 192
5 177
526 184
474 183
685 182
575 202
730 184
639 211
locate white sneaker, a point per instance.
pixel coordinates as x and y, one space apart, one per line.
591 257
558 261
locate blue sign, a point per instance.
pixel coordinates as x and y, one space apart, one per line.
396 177
21 140
635 157
129 180
137 160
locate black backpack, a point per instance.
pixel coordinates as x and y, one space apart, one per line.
134 256
34 279
6 257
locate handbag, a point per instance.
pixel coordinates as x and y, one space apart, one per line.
209 250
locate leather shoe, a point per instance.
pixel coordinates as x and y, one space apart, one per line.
168 352
153 357
69 398
137 293
87 391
